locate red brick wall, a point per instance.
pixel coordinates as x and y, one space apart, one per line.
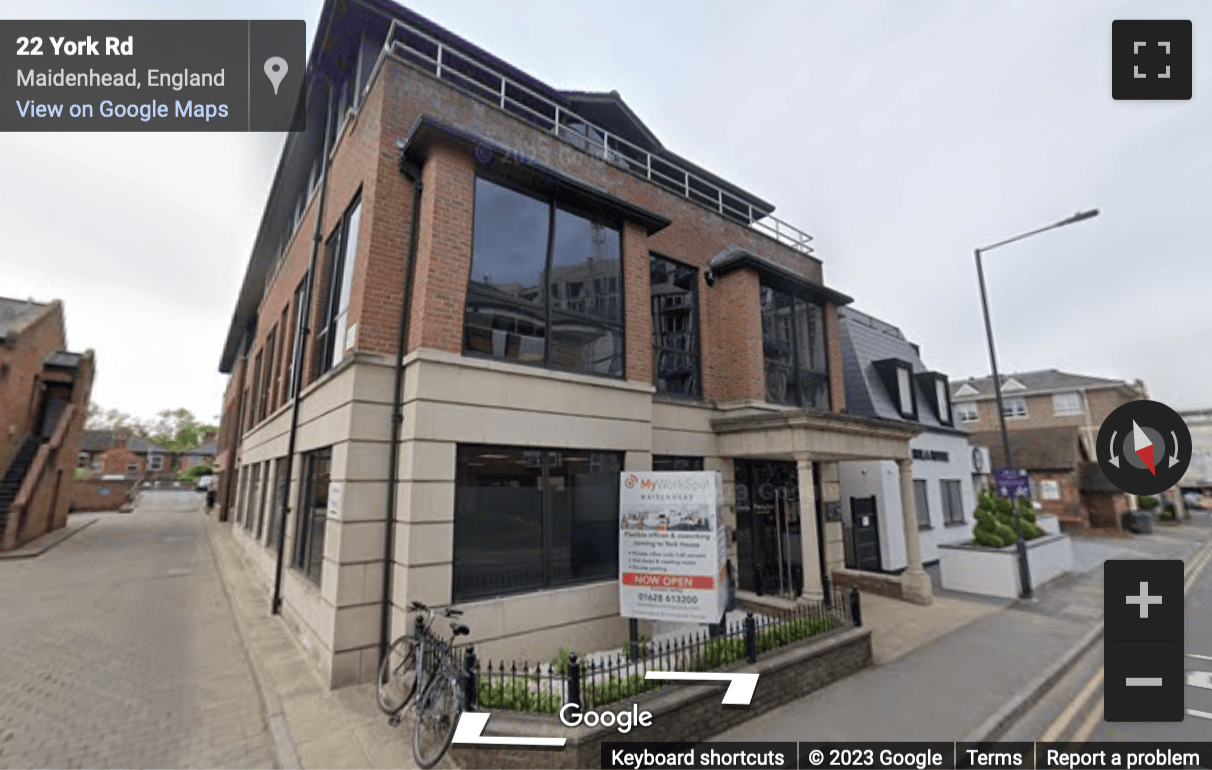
115 460
21 358
99 495
366 157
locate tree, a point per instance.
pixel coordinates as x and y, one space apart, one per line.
177 430
995 520
99 418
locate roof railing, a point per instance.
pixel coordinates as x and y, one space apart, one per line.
491 87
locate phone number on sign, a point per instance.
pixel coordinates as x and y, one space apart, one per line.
669 598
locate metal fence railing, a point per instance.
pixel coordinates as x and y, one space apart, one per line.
601 678
486 84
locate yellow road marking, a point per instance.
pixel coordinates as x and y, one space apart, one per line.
1092 719
1057 727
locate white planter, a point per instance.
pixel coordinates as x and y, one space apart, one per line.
994 571
1048 523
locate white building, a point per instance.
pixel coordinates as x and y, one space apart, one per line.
886 379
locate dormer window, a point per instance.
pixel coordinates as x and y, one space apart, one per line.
937 390
897 375
904 389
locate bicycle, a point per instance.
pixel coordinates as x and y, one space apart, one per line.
420 661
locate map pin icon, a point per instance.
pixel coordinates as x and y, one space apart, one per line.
275 70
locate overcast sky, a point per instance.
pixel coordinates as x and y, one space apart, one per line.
900 134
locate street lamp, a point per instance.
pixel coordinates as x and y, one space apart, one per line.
1023 571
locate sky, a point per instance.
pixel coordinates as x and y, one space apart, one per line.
901 135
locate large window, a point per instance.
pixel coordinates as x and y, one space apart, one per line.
313 514
339 261
528 519
254 497
296 349
922 503
953 506
266 497
675 327
266 389
254 390
793 340
277 502
546 284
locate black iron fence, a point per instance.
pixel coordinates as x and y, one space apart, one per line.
601 678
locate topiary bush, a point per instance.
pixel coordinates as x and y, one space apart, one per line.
995 520
1148 503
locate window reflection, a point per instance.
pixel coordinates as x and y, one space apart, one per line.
793 343
675 342
513 293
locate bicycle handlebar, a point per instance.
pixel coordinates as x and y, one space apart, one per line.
448 612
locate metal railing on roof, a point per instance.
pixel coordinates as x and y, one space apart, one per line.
487 85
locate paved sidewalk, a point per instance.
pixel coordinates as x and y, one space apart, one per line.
949 687
117 650
312 726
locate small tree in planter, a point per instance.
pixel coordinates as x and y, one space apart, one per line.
1148 503
995 521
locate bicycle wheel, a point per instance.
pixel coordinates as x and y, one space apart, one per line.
398 676
437 715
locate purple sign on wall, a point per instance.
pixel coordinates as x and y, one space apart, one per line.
1011 483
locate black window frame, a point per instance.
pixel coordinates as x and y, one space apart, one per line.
302 306
556 199
254 389
328 349
953 507
306 525
271 342
281 490
694 333
254 494
930 383
677 463
889 370
796 384
538 510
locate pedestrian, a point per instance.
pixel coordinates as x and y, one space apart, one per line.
210 497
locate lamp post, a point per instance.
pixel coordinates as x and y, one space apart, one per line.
1023 571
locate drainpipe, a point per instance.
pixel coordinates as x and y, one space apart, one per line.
397 415
275 606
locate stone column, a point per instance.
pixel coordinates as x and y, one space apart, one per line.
915 583
831 492
808 532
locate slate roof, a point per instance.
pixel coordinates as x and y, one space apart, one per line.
16 313
100 440
866 339
64 360
1035 449
209 448
1044 380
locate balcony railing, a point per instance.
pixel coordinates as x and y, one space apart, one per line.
487 85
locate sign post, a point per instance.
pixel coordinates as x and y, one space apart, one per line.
672 555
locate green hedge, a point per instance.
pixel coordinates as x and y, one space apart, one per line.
518 695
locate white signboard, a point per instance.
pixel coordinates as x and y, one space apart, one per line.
334 500
672 559
1051 490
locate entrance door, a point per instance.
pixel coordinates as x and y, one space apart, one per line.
768 528
866 533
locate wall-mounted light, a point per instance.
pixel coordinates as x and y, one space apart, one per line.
709 277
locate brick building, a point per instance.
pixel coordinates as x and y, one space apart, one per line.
44 391
1052 419
518 293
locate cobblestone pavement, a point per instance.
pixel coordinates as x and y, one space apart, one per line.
118 649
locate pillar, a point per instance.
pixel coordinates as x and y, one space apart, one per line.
915 583
808 530
831 492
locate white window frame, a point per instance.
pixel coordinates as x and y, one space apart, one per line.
962 411
1066 409
904 387
155 462
132 467
1009 410
940 393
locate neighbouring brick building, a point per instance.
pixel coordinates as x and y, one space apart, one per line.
511 294
1052 419
44 391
